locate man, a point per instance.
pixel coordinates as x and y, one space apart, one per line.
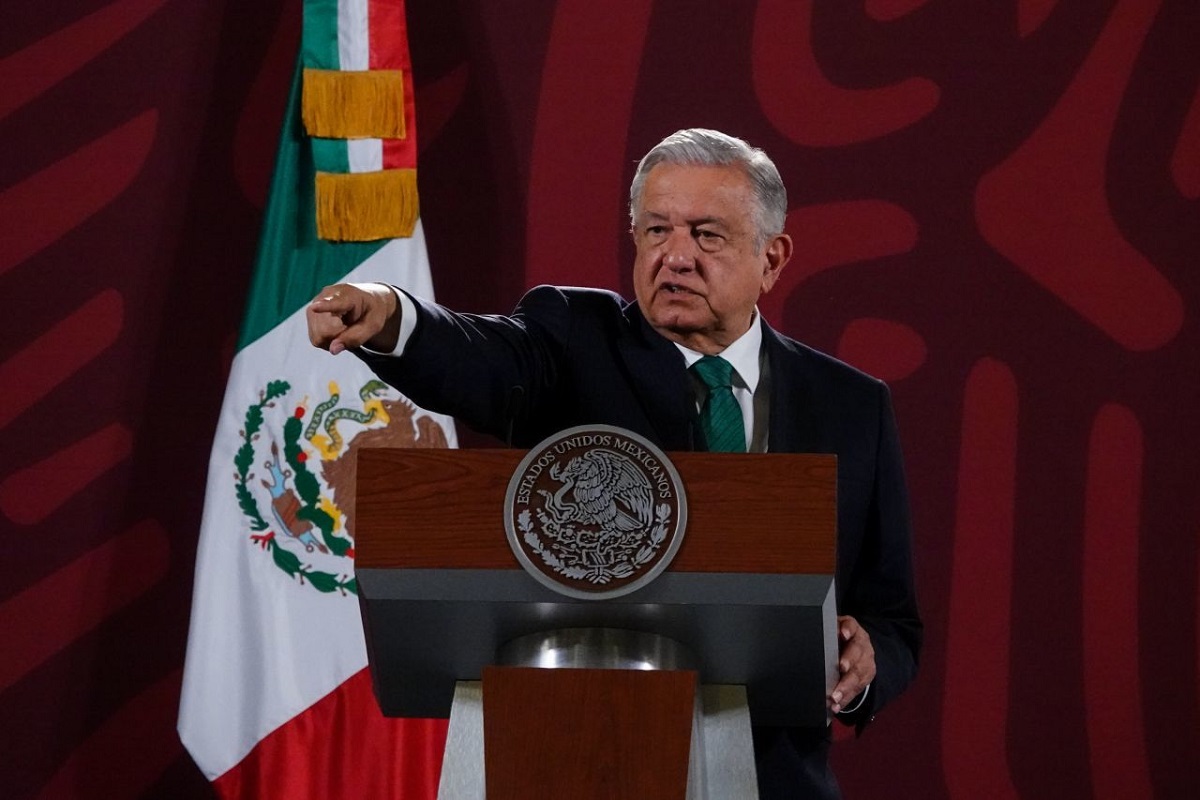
707 215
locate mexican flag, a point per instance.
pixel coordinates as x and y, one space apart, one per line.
277 701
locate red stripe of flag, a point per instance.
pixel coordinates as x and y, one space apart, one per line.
389 50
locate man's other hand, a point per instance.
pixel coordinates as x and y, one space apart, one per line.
353 315
856 663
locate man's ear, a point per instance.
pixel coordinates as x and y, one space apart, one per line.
776 255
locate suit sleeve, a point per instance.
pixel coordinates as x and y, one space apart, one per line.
485 370
881 595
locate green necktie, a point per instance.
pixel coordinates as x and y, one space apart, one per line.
720 416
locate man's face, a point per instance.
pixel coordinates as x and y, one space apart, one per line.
699 271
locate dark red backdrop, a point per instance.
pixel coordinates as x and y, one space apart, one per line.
996 207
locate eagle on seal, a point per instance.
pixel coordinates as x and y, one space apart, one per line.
606 489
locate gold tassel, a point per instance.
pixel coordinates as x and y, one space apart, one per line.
365 206
353 105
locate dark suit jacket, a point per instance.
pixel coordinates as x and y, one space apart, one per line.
571 357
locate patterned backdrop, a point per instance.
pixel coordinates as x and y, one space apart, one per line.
996 207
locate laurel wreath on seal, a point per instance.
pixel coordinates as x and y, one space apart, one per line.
564 556
307 489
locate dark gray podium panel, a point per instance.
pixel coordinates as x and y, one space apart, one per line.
775 634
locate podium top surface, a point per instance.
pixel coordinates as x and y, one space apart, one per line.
772 513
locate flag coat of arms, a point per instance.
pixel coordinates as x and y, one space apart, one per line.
276 698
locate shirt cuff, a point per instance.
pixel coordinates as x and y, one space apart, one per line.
408 324
862 697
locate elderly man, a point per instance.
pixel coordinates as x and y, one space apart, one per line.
707 215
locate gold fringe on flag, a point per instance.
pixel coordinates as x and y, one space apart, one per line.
353 105
365 206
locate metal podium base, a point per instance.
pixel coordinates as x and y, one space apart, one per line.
721 764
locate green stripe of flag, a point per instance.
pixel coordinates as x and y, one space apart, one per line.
330 155
319 42
319 50
292 264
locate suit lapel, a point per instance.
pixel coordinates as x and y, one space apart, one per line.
794 428
656 368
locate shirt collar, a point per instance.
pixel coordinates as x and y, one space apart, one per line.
742 354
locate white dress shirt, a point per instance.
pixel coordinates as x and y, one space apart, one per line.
743 354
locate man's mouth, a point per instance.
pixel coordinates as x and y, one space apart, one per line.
672 288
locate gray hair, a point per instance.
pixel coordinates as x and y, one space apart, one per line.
701 147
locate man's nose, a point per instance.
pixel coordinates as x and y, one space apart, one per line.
680 251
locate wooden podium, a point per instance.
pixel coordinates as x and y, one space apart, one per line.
747 602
